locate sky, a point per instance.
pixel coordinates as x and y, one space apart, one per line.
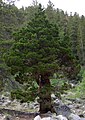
66 5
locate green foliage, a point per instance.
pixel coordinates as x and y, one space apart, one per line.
80 89
6 42
60 86
27 93
36 47
10 20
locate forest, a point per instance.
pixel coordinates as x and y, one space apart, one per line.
39 46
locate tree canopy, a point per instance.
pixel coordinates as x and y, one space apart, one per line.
38 47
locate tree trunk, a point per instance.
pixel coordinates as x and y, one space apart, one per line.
44 93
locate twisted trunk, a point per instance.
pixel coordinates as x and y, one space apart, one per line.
44 93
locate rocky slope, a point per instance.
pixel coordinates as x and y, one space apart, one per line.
65 109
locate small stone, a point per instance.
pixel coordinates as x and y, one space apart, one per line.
53 96
57 102
83 112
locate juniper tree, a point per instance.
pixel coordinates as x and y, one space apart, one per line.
38 52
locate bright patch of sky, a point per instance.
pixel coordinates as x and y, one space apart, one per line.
66 5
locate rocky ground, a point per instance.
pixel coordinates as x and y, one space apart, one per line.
70 108
76 105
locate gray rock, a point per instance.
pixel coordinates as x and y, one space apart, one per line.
57 102
73 117
63 110
31 106
47 118
78 100
36 105
82 118
37 117
71 106
60 117
24 105
53 96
